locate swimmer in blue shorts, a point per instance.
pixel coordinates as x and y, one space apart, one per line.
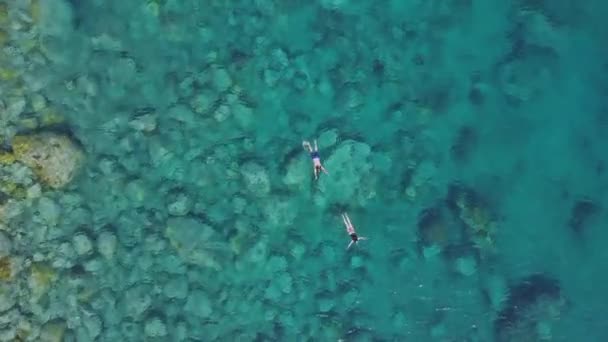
316 159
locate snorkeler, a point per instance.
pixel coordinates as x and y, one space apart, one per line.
350 229
316 159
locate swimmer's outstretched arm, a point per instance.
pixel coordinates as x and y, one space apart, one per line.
324 171
307 146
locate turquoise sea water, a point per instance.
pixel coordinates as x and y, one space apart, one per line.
465 139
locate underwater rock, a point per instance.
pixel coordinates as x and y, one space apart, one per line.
7 269
285 283
357 261
82 244
159 153
467 266
258 253
5 245
106 244
34 192
349 98
48 210
155 244
350 299
539 31
421 179
276 264
131 331
180 332
40 279
198 305
64 256
94 266
180 205
524 80
436 228
8 297
176 288
222 113
221 79
273 292
183 114
298 251
256 179
279 212
350 174
53 331
186 86
463 144
131 230
278 60
326 304
496 290
197 243
137 192
137 300
92 324
202 102
474 212
14 107
144 123
328 139
534 300
8 328
477 95
38 102
276 69
155 328
334 4
298 174
172 264
582 211
243 115
54 158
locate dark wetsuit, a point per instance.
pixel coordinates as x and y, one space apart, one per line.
354 237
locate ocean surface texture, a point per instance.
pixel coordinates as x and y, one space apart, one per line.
155 184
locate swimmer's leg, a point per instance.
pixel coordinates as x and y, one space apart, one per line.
350 244
344 220
316 146
348 220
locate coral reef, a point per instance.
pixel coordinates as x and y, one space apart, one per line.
196 216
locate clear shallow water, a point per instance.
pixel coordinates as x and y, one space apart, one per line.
464 138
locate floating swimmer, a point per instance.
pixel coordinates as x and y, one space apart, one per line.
350 229
316 159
